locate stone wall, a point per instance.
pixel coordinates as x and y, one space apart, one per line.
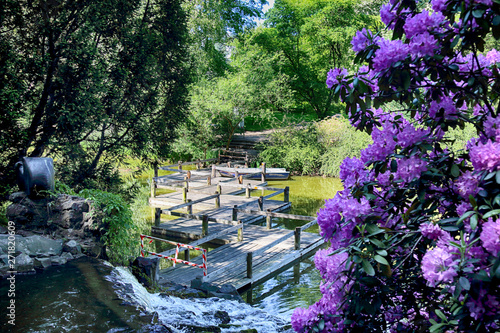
49 231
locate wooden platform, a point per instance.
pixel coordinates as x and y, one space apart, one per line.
207 216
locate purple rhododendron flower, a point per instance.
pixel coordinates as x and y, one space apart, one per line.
423 22
361 40
352 171
410 168
386 14
485 156
490 236
390 51
334 75
467 184
437 266
439 5
448 107
431 230
423 44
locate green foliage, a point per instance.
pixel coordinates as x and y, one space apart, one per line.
296 148
113 217
311 37
83 81
341 140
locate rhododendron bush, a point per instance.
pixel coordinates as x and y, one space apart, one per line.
415 235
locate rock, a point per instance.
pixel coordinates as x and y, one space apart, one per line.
56 260
202 329
3 230
42 263
155 329
223 316
226 296
26 211
228 289
146 270
4 259
72 247
191 292
23 263
67 255
69 211
38 244
17 197
7 240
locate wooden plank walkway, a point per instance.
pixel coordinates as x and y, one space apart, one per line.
221 220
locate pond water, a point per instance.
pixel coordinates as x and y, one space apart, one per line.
80 296
298 286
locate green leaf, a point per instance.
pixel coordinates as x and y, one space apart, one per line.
381 260
497 178
455 170
377 243
436 327
440 314
321 324
478 13
465 215
496 20
473 222
464 282
382 252
368 268
491 213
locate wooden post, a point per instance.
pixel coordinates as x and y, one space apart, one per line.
157 216
261 203
184 194
219 188
190 207
240 179
198 164
209 180
229 164
268 219
240 231
263 177
186 255
235 213
179 165
188 174
296 273
217 201
236 174
204 226
213 172
297 237
286 194
153 181
249 265
186 182
247 191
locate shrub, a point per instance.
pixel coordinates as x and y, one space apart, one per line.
415 234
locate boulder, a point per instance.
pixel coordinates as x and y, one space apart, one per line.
72 247
146 270
67 255
23 263
223 316
42 263
38 245
57 260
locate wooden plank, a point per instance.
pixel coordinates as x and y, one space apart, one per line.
191 203
283 215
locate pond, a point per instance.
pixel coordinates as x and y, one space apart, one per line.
81 295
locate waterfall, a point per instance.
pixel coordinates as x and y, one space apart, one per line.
175 312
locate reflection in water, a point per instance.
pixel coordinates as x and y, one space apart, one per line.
299 285
71 298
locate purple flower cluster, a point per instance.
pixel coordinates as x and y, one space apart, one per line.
399 222
485 156
390 52
335 76
491 236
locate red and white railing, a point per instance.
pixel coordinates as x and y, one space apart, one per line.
174 259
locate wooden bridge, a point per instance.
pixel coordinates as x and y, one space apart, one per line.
223 212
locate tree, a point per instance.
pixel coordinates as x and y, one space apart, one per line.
85 81
415 234
212 25
312 36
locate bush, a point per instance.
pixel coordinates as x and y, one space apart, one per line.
340 140
296 148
